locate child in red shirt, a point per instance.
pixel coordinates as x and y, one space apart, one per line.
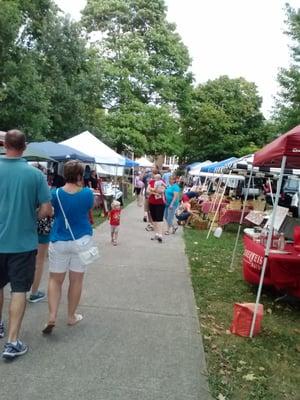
114 220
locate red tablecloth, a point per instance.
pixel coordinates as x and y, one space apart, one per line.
230 216
282 272
207 206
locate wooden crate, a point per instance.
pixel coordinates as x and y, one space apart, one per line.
234 205
214 225
259 205
197 222
210 216
195 205
201 224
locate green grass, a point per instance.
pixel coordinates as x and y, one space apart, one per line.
263 368
98 217
130 196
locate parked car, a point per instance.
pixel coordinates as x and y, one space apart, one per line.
291 188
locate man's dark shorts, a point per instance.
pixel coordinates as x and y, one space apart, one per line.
18 269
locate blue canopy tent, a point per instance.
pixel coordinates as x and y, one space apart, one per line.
60 152
217 166
195 168
209 168
130 163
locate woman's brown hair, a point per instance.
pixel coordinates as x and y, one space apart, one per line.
73 171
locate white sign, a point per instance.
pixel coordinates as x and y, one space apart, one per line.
280 216
256 217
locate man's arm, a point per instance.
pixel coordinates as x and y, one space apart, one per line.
43 198
45 210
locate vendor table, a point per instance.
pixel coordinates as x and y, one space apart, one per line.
228 216
282 271
207 206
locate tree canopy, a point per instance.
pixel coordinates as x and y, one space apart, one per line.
145 73
287 110
123 73
224 119
48 74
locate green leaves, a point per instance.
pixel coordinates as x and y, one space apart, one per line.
130 88
50 79
145 78
223 119
287 110
25 104
143 126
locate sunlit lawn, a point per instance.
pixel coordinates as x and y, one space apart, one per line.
264 368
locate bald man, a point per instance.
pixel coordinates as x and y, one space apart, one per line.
24 196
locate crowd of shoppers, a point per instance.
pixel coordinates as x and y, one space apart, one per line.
161 201
38 217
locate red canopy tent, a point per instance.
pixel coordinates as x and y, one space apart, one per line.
285 145
282 152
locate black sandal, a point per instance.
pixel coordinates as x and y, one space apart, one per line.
48 328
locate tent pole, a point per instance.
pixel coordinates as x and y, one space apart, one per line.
268 246
269 182
132 185
212 207
210 182
116 171
217 211
204 184
241 221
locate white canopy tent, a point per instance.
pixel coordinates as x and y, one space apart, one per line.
111 163
144 162
231 179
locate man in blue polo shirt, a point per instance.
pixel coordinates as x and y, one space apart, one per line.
24 195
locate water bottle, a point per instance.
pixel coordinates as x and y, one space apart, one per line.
263 237
281 242
275 239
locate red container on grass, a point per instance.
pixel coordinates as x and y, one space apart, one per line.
297 237
242 319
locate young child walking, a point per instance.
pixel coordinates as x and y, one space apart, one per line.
114 220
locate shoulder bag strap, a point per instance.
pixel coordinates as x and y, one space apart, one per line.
64 215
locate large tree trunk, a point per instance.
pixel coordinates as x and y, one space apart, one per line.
159 160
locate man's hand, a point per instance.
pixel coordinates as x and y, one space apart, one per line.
45 210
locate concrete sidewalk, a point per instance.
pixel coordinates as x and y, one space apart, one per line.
139 339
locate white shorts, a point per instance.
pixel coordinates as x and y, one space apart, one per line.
63 256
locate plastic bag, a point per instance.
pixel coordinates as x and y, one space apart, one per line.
87 251
242 319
